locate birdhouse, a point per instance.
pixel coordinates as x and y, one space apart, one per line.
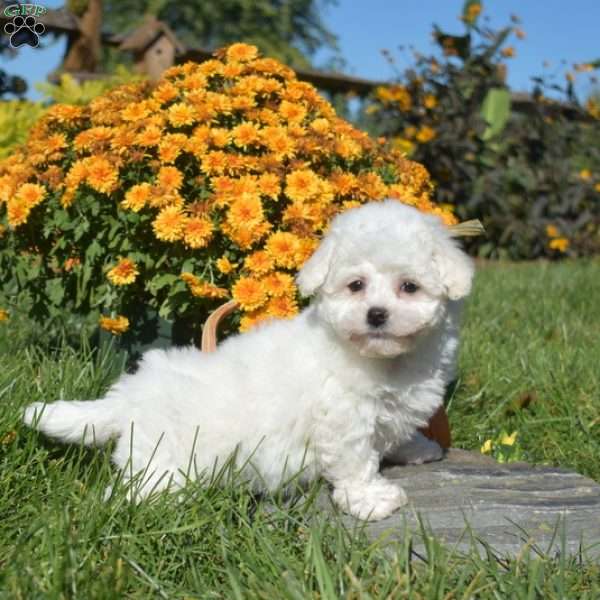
154 47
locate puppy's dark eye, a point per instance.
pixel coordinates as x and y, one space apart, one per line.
356 286
409 287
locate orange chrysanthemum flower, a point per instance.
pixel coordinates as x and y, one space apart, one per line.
246 134
169 178
31 194
136 111
279 284
102 174
301 185
269 185
150 136
214 163
282 307
292 112
181 114
137 197
283 246
197 232
17 212
253 318
248 210
249 292
116 326
241 52
259 262
169 224
123 273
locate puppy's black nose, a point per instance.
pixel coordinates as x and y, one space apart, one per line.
376 317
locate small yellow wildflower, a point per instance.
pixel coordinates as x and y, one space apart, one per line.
425 134
552 231
3 314
561 244
487 447
509 440
585 174
430 101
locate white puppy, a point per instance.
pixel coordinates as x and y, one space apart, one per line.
328 393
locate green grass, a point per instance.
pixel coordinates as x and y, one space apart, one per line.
529 362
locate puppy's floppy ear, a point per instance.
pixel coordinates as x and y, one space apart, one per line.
455 267
314 272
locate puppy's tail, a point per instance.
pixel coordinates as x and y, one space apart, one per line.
92 423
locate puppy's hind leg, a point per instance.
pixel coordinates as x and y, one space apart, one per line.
93 422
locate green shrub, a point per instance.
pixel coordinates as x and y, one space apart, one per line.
532 178
16 119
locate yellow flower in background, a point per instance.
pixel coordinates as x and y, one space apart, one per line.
224 265
472 12
17 212
249 292
102 175
301 185
242 52
116 325
31 194
169 178
403 145
561 244
279 284
487 447
430 101
181 114
246 134
425 134
259 262
197 232
137 197
282 307
552 231
597 187
509 440
593 107
283 247
253 318
168 225
585 174
124 273
3 315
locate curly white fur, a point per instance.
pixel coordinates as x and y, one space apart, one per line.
327 393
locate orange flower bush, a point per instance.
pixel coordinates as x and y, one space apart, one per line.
216 182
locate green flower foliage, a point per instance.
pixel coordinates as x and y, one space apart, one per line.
531 176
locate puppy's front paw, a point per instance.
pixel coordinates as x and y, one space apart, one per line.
370 501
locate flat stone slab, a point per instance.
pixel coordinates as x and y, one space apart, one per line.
469 500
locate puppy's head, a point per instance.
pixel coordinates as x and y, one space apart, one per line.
383 274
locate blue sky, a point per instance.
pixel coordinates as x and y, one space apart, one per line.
556 31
